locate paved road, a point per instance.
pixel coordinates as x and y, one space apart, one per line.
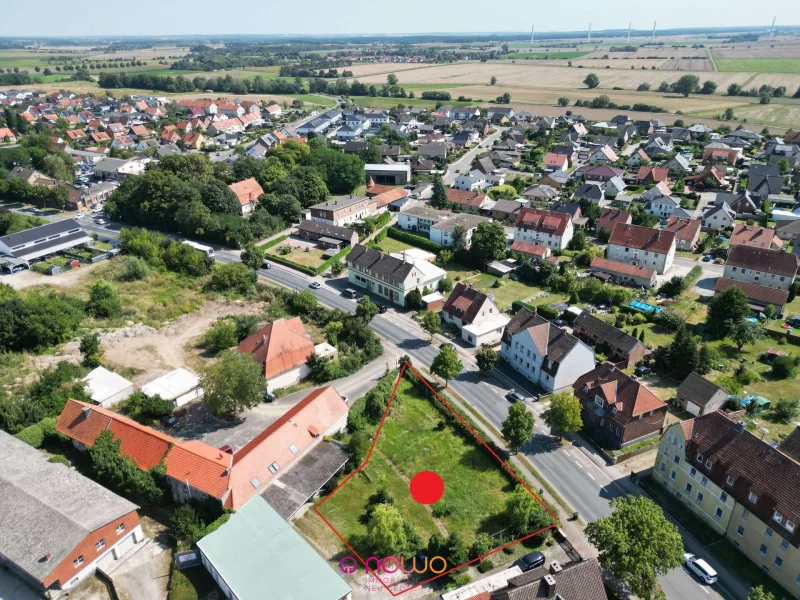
578 474
465 162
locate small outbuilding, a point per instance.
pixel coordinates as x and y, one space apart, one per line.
180 386
107 388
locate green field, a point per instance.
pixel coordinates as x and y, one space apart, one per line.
759 65
415 438
546 55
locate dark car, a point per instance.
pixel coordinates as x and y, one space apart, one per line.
382 308
266 265
515 396
641 370
531 561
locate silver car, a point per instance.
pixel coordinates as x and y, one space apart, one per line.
700 568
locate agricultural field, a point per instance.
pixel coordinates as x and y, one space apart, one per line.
774 114
789 49
547 55
759 65
688 64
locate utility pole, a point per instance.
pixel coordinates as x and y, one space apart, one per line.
772 29
629 32
654 33
589 39
531 36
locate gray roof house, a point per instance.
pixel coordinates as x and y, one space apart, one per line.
591 191
698 396
43 240
56 524
764 180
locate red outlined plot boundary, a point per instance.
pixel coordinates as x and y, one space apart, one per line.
479 439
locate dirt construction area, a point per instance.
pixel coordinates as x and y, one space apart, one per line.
152 352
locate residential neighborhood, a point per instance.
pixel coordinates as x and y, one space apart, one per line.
280 314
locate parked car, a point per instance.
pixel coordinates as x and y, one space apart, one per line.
515 396
531 561
348 293
266 265
700 568
100 221
314 285
707 258
382 308
642 370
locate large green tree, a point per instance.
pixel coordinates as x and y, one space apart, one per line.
523 512
486 358
232 384
745 332
726 308
564 413
687 84
253 256
637 543
518 426
489 242
447 365
90 350
432 323
439 196
591 81
103 301
386 531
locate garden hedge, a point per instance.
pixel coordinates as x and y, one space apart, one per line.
415 240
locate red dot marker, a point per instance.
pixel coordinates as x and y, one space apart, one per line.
427 487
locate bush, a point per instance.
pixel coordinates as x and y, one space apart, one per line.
441 510
33 435
415 240
786 408
185 524
548 312
480 547
59 459
485 566
221 337
133 269
144 409
462 580
233 276
103 301
784 367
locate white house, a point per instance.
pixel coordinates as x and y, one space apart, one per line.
719 217
475 314
543 227
474 180
180 386
106 388
543 353
439 224
391 277
662 207
642 246
761 266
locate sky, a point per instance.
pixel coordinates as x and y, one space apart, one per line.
208 17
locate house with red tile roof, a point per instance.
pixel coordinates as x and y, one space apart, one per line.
652 175
642 246
467 199
475 314
534 251
555 162
101 137
198 471
753 235
710 178
610 217
742 486
232 125
195 140
7 135
543 227
247 192
282 347
686 232
622 273
618 408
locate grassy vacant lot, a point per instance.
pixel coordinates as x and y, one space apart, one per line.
759 65
312 258
415 438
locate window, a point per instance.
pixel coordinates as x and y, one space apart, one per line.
784 544
120 528
768 532
789 526
677 459
708 464
100 545
293 449
762 550
700 497
672 475
777 517
255 482
663 467
718 513
273 468
745 514
692 472
778 562
740 531
78 561
700 458
752 497
723 496
688 488
704 481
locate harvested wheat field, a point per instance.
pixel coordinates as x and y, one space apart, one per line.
540 75
364 69
758 50
688 64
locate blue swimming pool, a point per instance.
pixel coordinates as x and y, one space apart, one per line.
644 307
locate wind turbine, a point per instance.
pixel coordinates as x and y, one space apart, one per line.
654 33
772 29
589 39
531 36
629 32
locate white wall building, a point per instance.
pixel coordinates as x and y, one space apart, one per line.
180 386
544 228
642 246
106 388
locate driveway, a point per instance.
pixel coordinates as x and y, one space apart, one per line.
145 575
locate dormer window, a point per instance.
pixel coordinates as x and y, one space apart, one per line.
752 497
789 525
708 464
700 458
731 480
777 517
598 400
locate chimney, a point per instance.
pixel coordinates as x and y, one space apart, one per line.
739 427
550 582
555 568
47 557
85 411
264 339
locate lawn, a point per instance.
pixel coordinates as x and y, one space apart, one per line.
389 245
312 258
415 437
759 65
510 290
